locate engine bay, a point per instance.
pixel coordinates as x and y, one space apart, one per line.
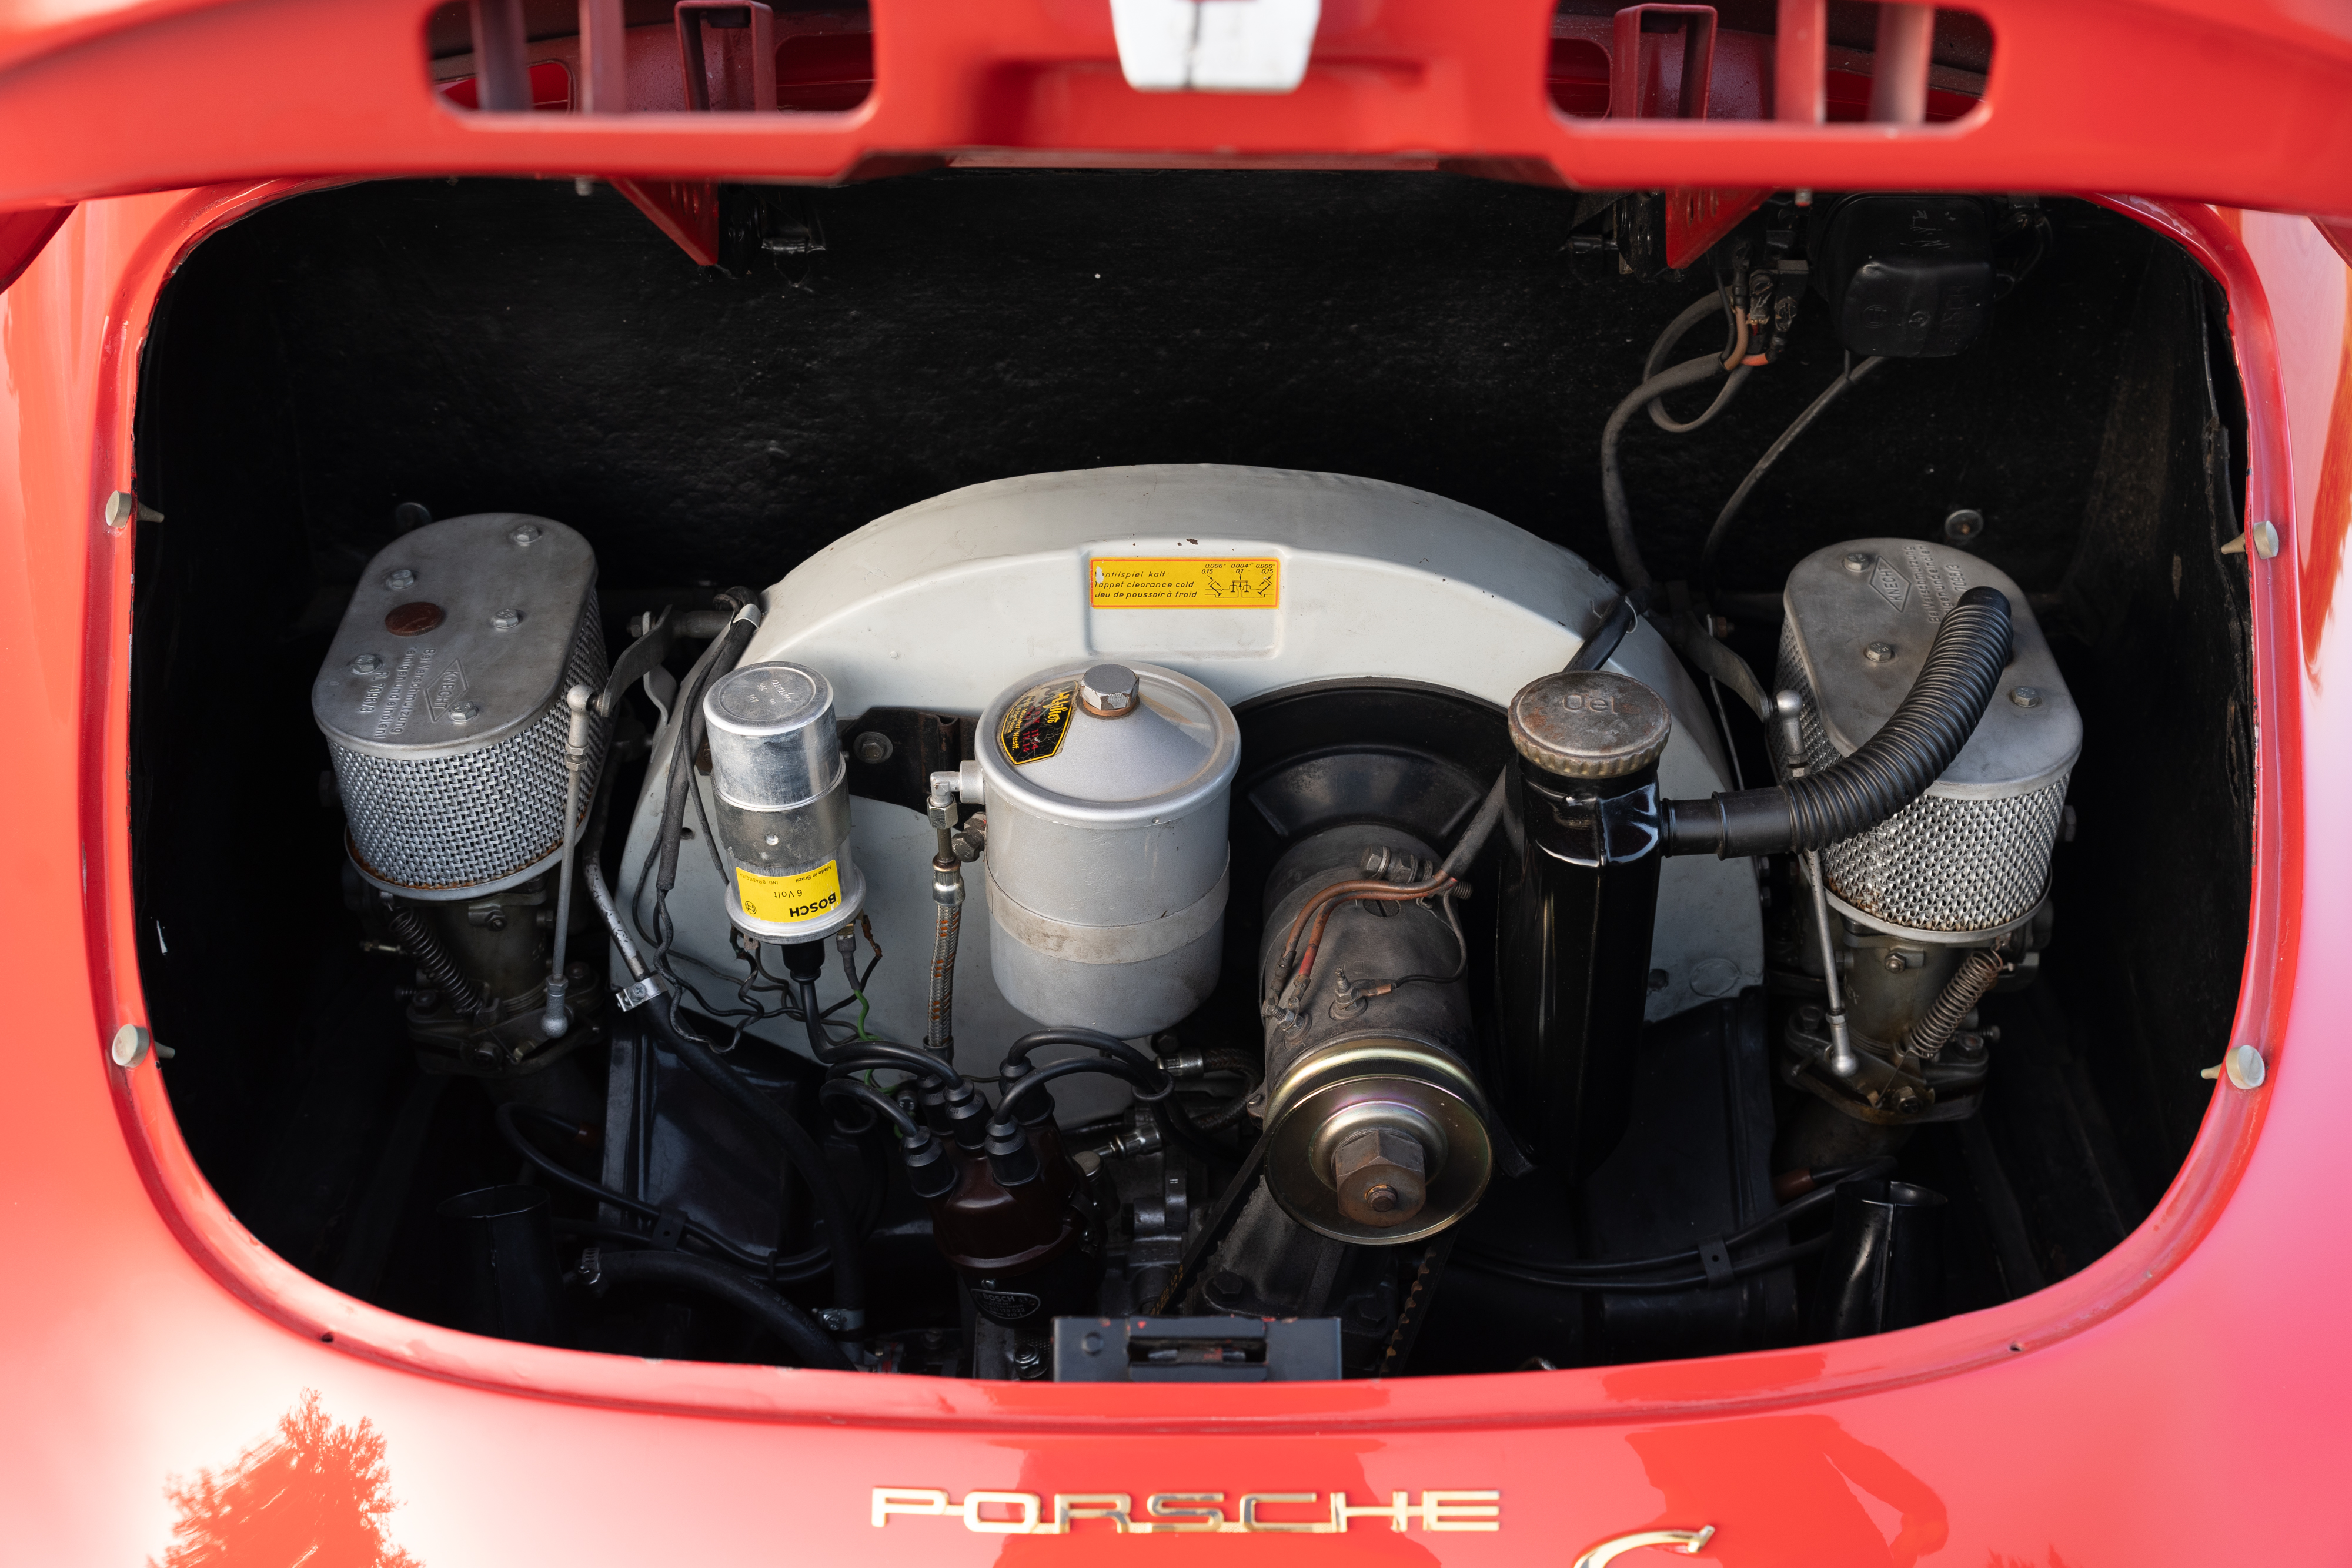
1264 859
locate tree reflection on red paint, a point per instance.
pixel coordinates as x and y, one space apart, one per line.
312 1495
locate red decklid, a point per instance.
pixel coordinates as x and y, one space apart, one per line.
2243 102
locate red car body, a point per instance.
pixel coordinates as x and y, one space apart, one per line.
2181 1400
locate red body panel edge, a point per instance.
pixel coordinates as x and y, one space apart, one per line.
2180 1400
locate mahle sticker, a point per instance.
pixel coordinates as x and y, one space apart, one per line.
803 895
1186 582
1036 720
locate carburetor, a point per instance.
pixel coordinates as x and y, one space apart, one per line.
442 700
1927 910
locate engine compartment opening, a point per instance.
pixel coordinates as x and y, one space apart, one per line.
1189 776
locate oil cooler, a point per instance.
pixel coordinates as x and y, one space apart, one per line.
442 702
1971 857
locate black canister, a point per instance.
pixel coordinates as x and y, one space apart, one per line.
1578 897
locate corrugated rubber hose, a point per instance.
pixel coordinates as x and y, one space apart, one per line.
1886 773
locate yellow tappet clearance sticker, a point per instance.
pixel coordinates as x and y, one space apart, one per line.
1186 582
803 895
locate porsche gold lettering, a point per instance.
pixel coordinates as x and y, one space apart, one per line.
1185 1513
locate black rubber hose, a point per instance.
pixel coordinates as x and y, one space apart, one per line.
1177 1126
1151 1084
1093 1038
1609 1267
1762 1264
688 722
1226 1115
822 1045
1850 376
1890 770
1615 621
857 1055
809 1343
768 1117
874 1099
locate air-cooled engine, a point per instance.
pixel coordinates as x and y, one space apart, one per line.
1331 873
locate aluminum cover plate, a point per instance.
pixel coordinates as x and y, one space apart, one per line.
1896 600
474 568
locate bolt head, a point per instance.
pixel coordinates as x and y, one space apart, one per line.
399 578
1110 691
366 664
2026 696
465 711
1894 960
129 1045
1858 562
1381 1177
1964 526
1878 653
525 533
505 619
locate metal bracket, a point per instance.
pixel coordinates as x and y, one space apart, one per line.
1196 1350
1623 827
638 659
637 993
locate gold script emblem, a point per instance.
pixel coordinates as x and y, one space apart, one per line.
1686 1542
1190 1513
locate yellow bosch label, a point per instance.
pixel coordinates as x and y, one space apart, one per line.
1186 582
803 895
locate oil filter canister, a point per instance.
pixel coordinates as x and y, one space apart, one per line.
1107 789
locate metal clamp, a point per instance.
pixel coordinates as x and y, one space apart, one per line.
1612 830
640 991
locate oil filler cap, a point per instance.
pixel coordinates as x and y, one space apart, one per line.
1589 724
